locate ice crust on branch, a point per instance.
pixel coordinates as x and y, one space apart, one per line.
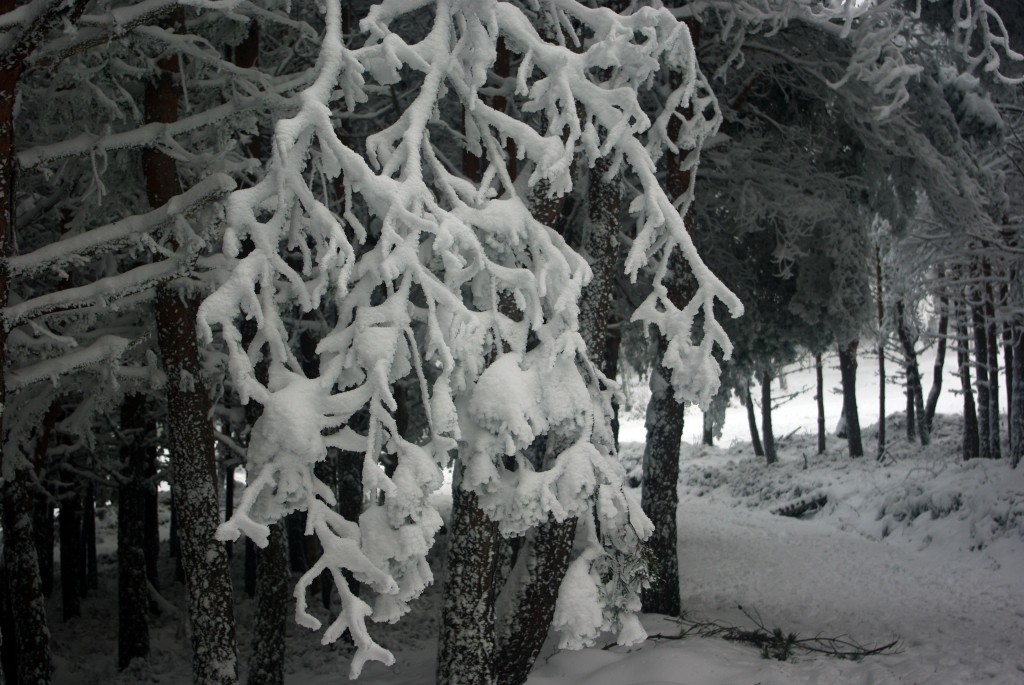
454 284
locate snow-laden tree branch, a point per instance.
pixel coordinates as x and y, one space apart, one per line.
456 285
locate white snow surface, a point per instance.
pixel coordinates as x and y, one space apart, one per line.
920 546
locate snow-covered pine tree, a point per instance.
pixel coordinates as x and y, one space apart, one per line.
425 298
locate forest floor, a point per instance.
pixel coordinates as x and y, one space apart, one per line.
919 547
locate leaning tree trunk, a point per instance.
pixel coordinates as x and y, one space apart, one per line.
971 442
915 395
768 432
755 437
132 590
848 373
820 399
211 612
940 360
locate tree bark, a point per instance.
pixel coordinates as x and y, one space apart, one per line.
915 395
766 419
466 653
981 381
272 580
132 589
848 373
881 353
42 524
820 398
69 521
211 610
755 437
940 360
1017 406
992 352
92 573
971 443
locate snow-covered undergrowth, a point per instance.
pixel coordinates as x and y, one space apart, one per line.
918 496
920 546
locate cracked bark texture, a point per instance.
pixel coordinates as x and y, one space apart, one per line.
194 470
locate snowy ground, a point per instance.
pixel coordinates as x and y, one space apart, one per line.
920 546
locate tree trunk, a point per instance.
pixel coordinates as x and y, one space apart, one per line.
229 502
820 398
766 419
132 589
24 596
981 381
42 524
940 360
881 353
467 648
660 492
211 611
972 442
92 573
915 395
848 373
755 437
992 352
272 593
70 523
1008 353
708 430
911 414
1017 407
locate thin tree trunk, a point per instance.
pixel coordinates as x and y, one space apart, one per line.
272 579
132 589
972 441
1017 407
911 414
820 398
940 360
229 502
992 338
92 573
211 609
848 373
42 524
1008 353
708 430
70 524
915 395
766 418
981 381
881 353
755 437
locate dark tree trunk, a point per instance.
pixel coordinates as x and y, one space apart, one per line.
660 493
350 497
915 395
611 370
755 437
251 563
881 353
467 649
295 531
174 544
767 431
992 351
1017 405
272 580
848 372
132 589
70 524
92 572
42 523
1008 353
211 609
229 501
708 430
911 414
940 360
972 441
981 381
820 399
152 514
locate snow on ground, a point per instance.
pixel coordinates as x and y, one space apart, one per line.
919 546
